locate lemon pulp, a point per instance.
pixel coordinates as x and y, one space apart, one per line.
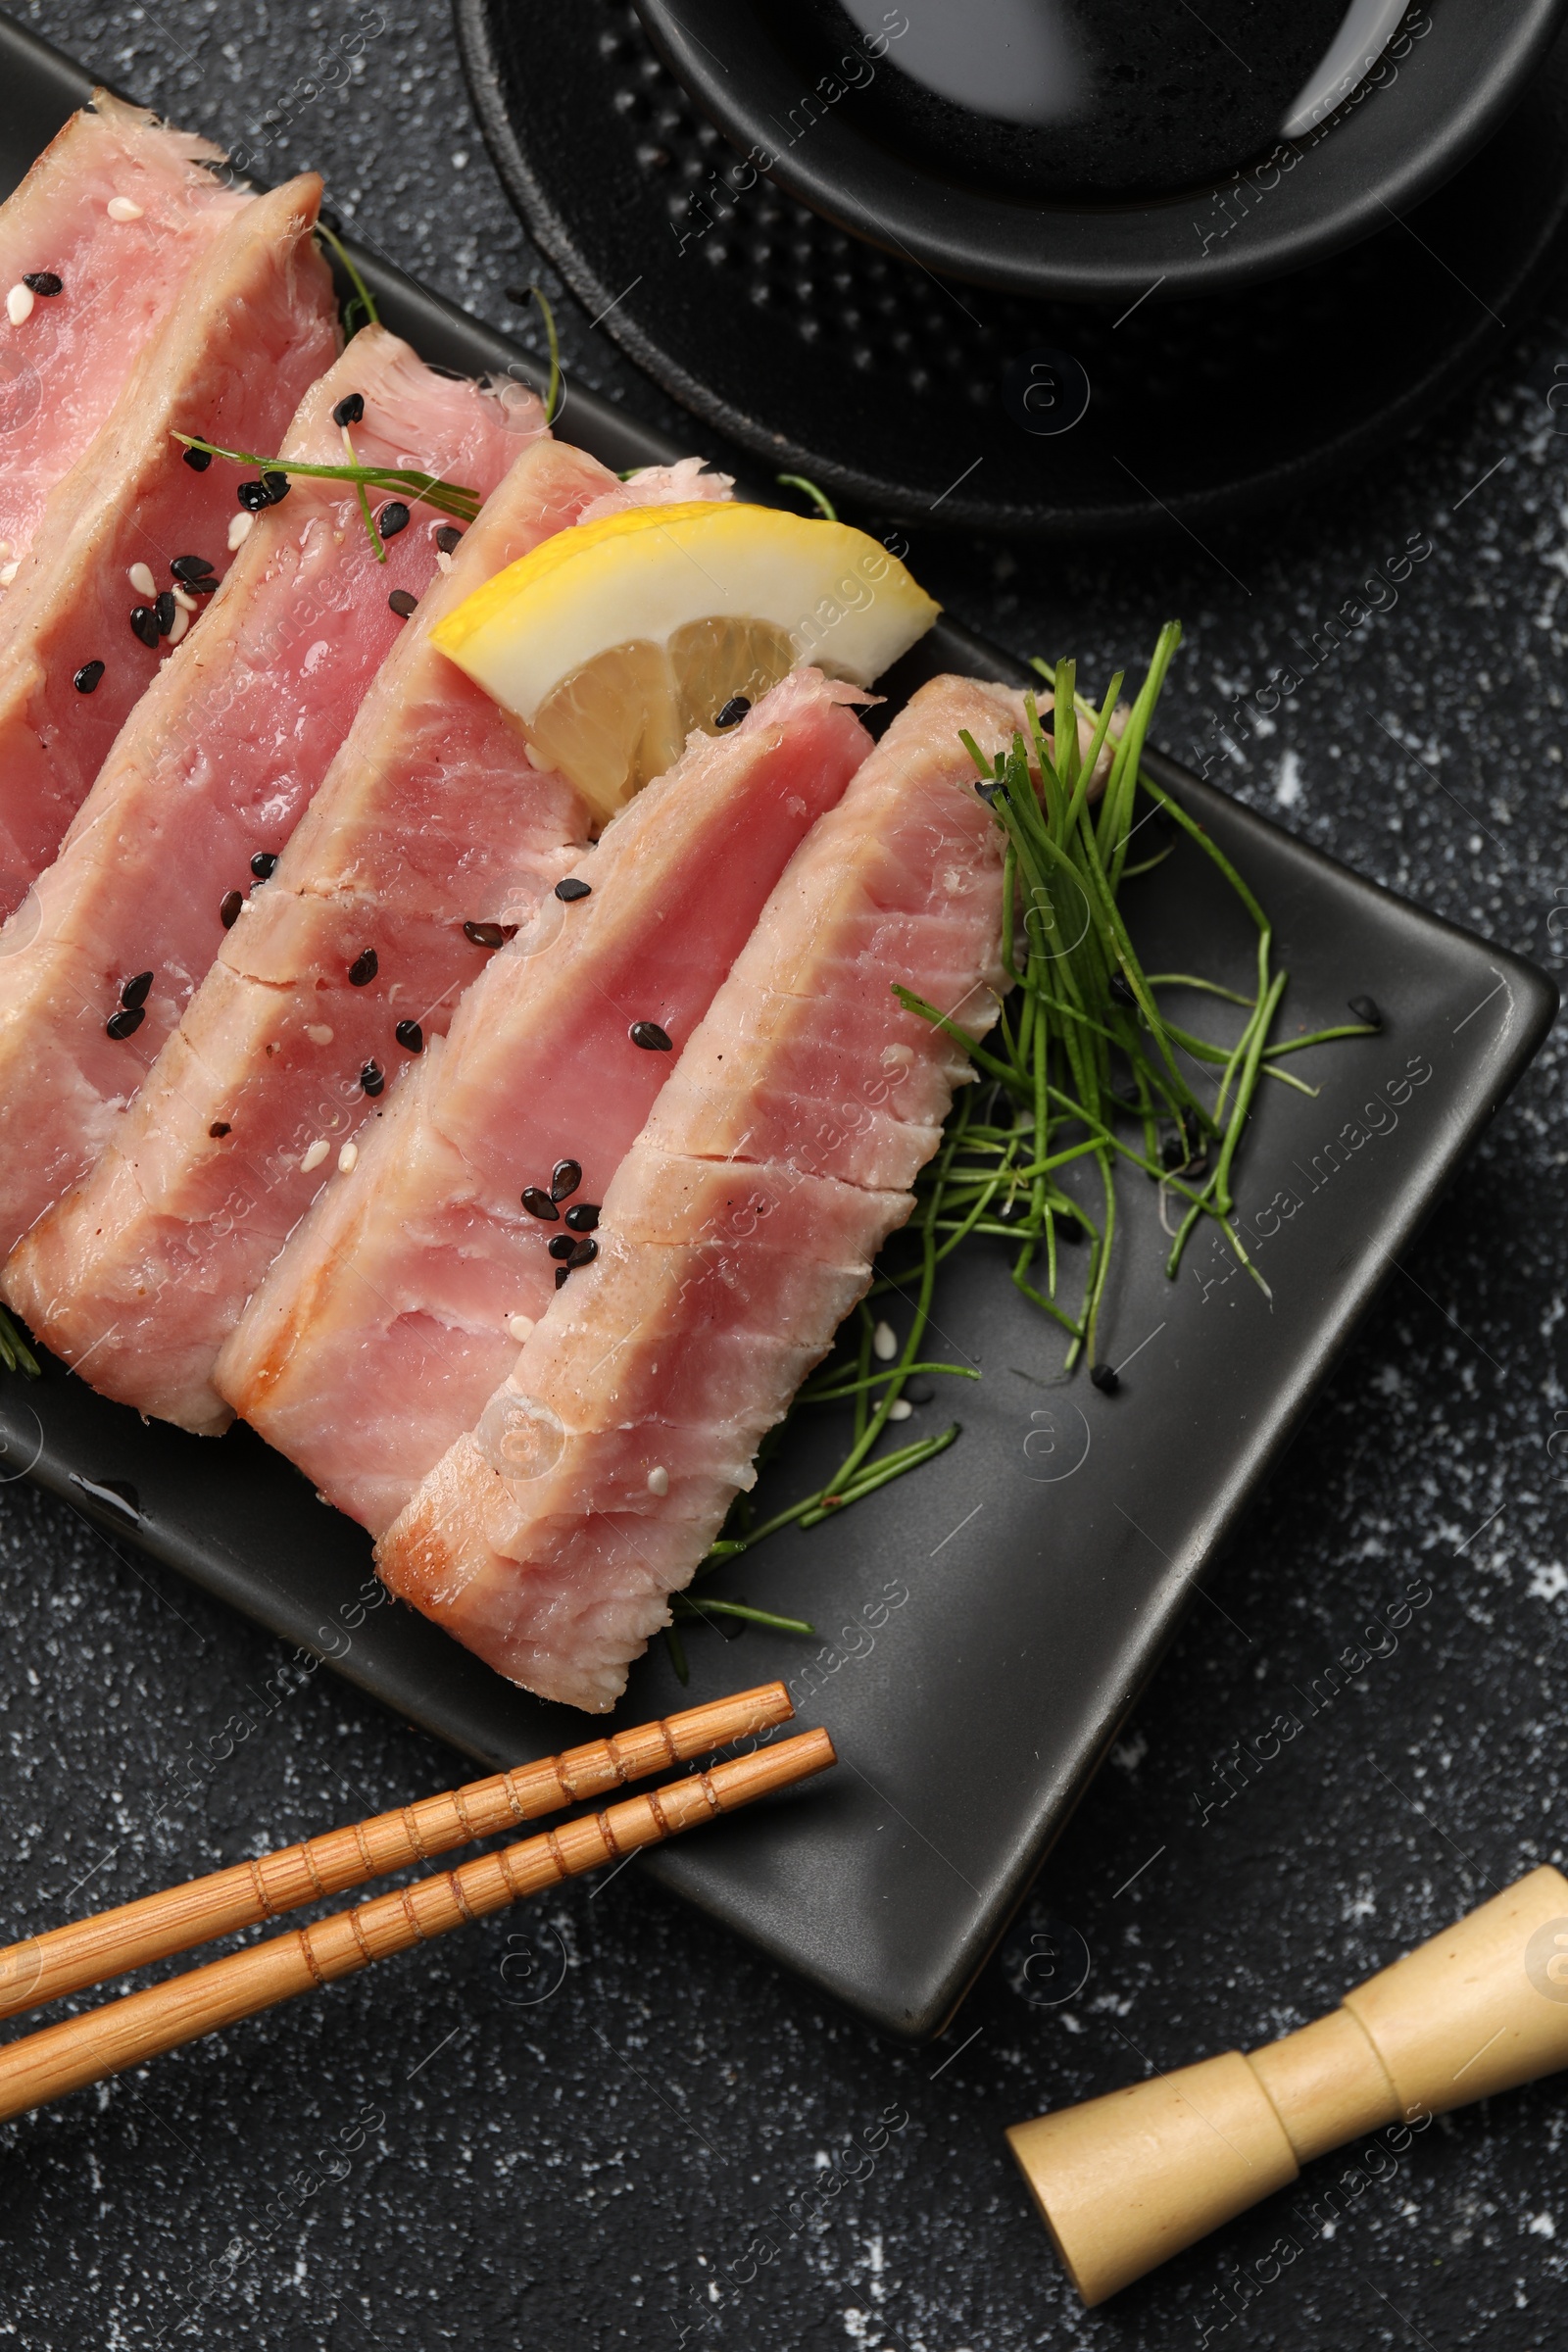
612 642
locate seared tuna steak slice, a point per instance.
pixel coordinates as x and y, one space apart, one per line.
388 1320
212 769
255 324
736 1235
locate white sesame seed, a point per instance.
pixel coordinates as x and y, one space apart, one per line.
519 1327
239 530
120 208
884 1346
141 579
348 1160
9 571
319 1033
178 627
315 1156
899 1409
658 1480
443 561
897 1057
19 304
185 602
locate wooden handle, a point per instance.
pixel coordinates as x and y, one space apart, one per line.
110 1944
144 2024
1123 2182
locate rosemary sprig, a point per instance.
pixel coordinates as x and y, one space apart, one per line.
15 1353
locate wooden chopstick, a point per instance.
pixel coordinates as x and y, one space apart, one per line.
110 1944
45 2066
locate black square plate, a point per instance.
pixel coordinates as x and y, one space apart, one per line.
985 1623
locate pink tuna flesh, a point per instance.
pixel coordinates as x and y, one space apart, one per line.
218 760
736 1235
430 816
255 324
387 1323
65 364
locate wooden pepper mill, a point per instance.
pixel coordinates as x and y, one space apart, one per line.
1124 2182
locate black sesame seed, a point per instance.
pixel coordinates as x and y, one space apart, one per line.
191 569
403 603
650 1035
563 1245
562 1274
350 409
144 622
449 538
87 676
43 281
217 1129
734 711
393 518
135 991
264 864
166 608
252 496
583 1253
125 1022
410 1036
198 460
1121 993
564 1179
485 935
373 1078
228 909
537 1201
988 792
1365 1009
583 1217
1070 1230
1104 1380
919 1392
1173 1152
277 487
572 889
363 970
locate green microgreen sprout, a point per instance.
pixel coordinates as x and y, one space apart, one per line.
819 497
448 498
361 300
553 387
15 1353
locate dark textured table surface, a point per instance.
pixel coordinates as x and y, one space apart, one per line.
601 2126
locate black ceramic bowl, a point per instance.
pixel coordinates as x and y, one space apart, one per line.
842 128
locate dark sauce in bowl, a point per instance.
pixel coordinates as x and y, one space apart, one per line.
1099 99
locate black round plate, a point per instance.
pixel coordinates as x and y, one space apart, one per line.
848 148
947 405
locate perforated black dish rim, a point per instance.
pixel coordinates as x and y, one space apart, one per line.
814 1882
1393 411
1349 174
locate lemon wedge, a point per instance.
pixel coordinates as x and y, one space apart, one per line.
611 642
